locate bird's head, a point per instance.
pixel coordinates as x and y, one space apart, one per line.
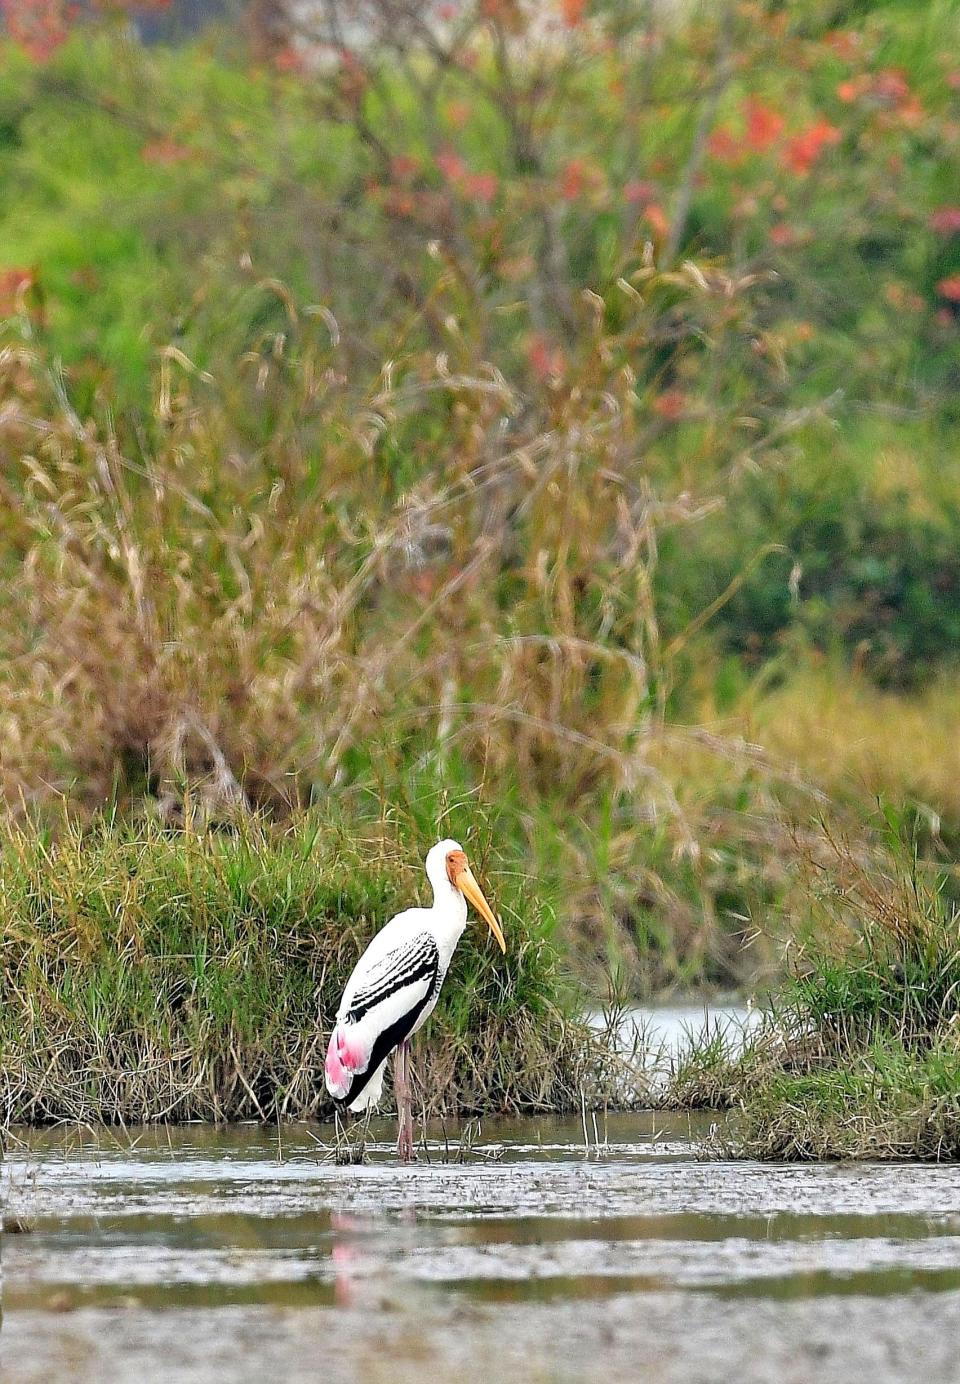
447 859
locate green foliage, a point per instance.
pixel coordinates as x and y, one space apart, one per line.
828 557
888 1102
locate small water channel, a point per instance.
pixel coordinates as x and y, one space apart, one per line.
660 1034
246 1254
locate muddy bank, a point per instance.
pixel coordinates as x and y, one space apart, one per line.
783 1343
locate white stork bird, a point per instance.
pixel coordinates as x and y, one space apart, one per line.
394 988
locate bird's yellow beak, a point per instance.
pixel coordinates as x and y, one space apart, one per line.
472 892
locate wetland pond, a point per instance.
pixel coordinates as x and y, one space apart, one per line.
245 1253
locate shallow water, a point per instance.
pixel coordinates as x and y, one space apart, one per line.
198 1254
660 1034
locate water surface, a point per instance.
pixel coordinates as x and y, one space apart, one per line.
247 1254
658 1035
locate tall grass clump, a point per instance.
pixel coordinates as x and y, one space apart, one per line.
149 975
859 1052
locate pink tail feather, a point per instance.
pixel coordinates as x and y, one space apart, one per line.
344 1057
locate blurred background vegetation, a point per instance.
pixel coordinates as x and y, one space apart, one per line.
542 415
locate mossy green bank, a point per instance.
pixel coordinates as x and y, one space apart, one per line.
148 975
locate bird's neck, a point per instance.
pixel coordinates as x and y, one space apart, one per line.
448 914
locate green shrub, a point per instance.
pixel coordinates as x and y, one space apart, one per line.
872 577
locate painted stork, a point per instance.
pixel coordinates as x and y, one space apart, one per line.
394 988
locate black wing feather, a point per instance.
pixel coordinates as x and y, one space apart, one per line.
424 961
409 964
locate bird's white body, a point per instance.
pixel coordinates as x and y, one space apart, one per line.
394 987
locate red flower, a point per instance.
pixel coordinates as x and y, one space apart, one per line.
572 180
451 165
288 60
165 151
546 359
398 201
506 12
404 166
656 219
764 124
39 27
458 113
724 147
946 221
900 297
670 404
578 178
844 43
805 148
782 235
949 288
481 186
638 193
573 12
13 284
891 86
852 89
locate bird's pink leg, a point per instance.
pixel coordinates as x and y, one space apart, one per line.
401 1086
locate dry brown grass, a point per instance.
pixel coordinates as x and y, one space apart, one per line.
855 739
286 584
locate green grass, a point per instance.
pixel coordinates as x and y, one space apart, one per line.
156 976
888 1101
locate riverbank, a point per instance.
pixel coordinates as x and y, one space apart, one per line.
149 975
858 1055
